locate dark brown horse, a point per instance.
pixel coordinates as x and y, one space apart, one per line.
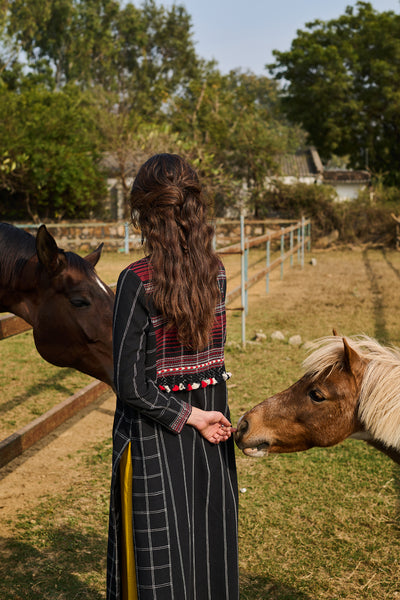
351 388
61 296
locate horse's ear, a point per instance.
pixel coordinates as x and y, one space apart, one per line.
93 257
335 333
353 363
49 255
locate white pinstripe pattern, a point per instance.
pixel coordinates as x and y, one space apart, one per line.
207 501
206 509
193 521
175 518
184 488
147 515
189 523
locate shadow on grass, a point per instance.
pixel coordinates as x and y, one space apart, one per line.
390 264
52 382
66 565
263 588
70 565
381 331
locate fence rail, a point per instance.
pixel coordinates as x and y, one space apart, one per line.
27 436
301 228
11 325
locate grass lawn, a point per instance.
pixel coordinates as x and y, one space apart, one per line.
323 524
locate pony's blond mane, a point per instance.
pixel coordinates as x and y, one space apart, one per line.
379 400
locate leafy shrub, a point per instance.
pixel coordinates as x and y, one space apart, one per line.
316 202
366 219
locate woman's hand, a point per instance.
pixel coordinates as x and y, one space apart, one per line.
212 425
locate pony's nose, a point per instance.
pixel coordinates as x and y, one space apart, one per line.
241 429
243 425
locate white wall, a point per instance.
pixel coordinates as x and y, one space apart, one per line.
347 191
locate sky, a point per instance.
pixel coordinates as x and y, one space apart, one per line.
243 33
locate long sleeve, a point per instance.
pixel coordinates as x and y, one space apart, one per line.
135 357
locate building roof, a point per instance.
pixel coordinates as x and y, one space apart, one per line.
304 163
307 163
345 176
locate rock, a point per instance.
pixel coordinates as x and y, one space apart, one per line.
295 340
313 262
259 336
277 335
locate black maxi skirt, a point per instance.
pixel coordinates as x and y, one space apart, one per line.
184 508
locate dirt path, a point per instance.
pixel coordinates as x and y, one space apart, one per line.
52 465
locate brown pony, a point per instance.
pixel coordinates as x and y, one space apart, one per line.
60 295
351 388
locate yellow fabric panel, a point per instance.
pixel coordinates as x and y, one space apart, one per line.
128 568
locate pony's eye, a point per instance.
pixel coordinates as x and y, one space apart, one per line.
316 396
79 302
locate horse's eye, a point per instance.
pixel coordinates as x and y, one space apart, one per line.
79 302
316 396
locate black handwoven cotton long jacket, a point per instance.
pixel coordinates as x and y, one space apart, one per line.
184 491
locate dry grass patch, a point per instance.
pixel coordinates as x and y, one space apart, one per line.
322 524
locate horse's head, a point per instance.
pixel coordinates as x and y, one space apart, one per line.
318 410
72 323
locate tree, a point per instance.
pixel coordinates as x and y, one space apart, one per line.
235 117
127 141
125 62
129 81
48 144
141 54
156 57
341 83
73 39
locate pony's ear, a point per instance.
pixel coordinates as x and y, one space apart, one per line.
353 363
49 255
335 333
93 257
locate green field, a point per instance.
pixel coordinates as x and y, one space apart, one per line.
324 524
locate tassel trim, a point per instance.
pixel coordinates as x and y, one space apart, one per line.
194 386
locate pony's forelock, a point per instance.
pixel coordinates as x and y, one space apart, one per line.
325 355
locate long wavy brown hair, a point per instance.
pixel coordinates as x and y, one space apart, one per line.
168 205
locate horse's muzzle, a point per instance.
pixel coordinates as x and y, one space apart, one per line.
250 447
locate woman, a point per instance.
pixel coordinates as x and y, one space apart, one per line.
173 516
